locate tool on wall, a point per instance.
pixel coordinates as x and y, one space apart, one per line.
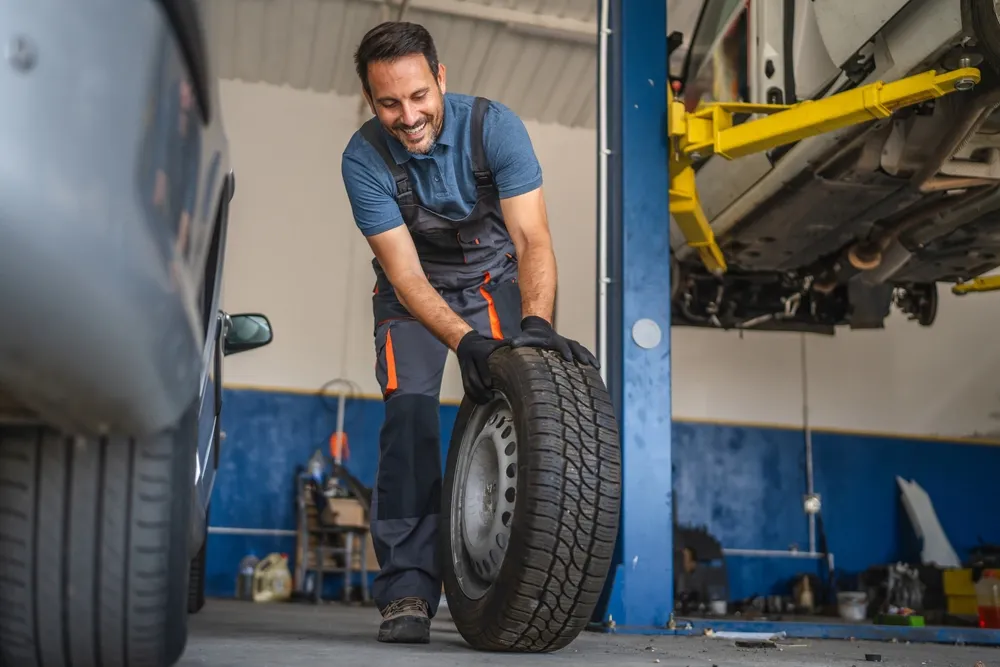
709 129
338 441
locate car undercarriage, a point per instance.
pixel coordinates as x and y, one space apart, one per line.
875 218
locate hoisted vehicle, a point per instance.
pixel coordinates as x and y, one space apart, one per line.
838 226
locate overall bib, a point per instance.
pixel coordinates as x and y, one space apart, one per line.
473 265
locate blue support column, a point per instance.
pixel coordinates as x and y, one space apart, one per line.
636 337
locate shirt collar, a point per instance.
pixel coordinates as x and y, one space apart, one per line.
448 136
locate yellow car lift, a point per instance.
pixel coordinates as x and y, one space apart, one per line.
987 284
709 129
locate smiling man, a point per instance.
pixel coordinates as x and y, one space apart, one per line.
447 190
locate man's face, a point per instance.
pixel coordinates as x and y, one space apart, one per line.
409 100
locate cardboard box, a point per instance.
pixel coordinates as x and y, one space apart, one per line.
346 512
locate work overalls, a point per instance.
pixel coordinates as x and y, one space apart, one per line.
473 265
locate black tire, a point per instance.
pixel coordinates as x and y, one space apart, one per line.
981 15
565 520
94 548
196 580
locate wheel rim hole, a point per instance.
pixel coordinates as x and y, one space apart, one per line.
505 517
511 471
506 432
509 449
510 494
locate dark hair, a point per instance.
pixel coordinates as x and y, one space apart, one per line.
392 40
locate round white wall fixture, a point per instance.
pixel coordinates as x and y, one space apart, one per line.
646 333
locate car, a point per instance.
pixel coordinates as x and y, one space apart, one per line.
116 185
841 228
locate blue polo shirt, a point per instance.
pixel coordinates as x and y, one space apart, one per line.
442 180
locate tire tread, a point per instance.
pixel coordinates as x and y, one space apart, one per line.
86 530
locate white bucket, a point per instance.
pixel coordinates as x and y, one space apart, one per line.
852 606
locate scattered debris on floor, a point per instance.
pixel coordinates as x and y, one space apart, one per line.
755 643
873 657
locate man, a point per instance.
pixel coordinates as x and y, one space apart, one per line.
448 192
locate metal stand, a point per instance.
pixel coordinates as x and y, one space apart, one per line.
322 540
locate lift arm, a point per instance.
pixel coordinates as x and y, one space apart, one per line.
987 284
709 129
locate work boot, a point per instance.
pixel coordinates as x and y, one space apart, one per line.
405 621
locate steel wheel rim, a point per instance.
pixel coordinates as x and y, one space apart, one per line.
483 496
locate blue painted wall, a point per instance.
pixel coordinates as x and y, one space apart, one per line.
744 483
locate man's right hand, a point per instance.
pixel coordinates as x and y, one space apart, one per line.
474 352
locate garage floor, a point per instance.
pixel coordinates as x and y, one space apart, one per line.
242 634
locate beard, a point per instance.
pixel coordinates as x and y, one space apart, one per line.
428 130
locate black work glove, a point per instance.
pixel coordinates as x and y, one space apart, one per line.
474 352
536 332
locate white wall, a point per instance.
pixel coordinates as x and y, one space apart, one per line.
295 254
942 380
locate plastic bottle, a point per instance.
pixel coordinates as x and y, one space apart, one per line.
988 599
272 580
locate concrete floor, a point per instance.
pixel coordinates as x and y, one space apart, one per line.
242 634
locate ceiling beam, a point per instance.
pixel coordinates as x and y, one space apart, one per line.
530 23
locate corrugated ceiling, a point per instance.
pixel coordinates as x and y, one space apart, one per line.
538 57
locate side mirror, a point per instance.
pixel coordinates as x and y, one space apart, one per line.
246 331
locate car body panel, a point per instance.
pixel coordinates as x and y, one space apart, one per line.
110 182
844 25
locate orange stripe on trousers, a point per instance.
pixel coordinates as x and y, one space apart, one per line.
392 383
495 329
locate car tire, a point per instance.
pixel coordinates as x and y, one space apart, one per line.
982 16
531 504
95 533
196 580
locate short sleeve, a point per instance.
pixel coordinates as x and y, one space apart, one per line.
509 152
370 189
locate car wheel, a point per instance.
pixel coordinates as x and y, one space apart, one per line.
94 562
531 501
984 16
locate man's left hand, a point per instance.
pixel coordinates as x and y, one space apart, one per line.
536 332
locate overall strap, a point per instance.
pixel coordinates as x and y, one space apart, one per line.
372 133
480 165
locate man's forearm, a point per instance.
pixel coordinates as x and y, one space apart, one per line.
536 275
425 304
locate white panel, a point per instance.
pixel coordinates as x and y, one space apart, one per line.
359 18
223 36
546 78
497 70
323 66
310 44
277 35
555 102
302 30
249 37
484 36
531 59
583 91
